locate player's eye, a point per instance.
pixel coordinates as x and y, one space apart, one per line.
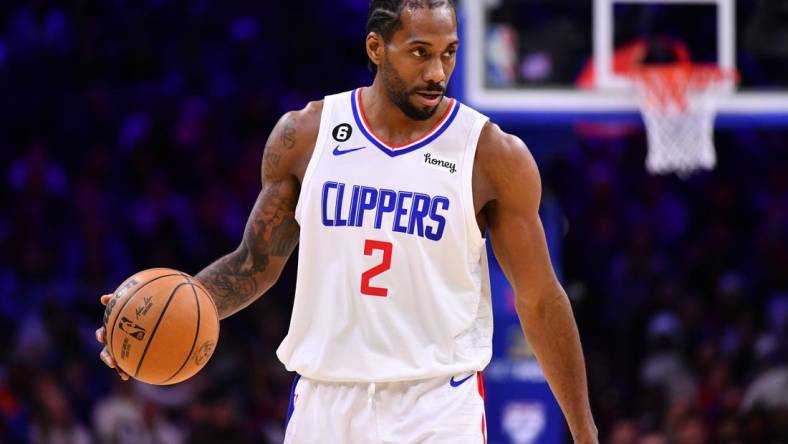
450 53
419 52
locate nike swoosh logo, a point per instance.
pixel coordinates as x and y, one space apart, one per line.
454 383
338 152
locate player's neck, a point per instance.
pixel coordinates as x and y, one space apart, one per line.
388 121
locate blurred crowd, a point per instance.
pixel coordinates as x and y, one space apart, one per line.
132 132
681 288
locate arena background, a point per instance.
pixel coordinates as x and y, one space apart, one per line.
131 134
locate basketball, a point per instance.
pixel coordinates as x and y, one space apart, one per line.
161 326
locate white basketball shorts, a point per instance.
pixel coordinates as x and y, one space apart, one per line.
435 410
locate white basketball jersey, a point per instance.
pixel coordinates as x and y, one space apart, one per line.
392 272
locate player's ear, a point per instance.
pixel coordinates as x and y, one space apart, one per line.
375 47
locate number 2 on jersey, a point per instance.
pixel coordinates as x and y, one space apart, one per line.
369 247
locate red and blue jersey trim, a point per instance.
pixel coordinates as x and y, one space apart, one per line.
397 150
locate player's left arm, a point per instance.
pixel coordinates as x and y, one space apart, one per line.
511 178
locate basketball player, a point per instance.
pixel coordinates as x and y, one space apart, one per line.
389 189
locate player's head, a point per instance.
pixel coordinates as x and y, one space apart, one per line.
412 44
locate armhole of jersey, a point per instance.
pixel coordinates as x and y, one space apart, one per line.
317 152
472 227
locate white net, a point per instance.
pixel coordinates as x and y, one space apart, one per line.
678 103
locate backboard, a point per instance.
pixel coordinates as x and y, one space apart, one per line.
558 59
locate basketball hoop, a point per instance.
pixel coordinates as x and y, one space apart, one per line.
678 102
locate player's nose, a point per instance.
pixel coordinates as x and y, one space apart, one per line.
434 71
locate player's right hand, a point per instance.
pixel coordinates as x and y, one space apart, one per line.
105 354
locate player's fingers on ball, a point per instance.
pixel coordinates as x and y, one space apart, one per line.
100 334
105 299
123 375
107 358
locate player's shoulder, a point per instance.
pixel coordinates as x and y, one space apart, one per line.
502 151
311 110
298 129
504 167
292 141
306 119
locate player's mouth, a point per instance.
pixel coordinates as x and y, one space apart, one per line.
429 98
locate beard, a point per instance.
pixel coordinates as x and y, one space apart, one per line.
397 91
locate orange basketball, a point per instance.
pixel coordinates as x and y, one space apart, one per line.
161 326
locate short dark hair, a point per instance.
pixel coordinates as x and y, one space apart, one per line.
385 15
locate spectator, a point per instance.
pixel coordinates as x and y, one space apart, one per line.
54 422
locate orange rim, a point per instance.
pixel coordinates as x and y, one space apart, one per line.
669 84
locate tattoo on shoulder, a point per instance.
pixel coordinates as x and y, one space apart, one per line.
277 144
289 133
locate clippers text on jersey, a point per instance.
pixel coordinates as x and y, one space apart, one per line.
406 212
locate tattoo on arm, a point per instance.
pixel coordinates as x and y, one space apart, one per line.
271 161
269 238
271 234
